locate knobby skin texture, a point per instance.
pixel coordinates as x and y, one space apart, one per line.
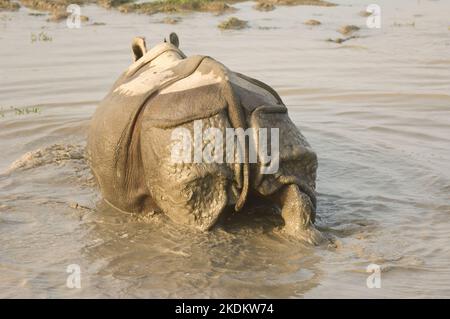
130 142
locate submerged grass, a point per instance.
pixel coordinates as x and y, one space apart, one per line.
20 110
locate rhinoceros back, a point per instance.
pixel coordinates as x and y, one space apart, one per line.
114 141
130 139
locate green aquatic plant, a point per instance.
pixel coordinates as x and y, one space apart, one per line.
20 110
27 110
41 36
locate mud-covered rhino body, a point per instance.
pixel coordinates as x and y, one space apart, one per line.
130 142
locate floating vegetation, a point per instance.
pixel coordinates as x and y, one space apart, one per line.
8 5
41 36
233 23
341 40
171 20
264 5
320 3
345 30
50 5
365 13
348 29
312 22
58 16
113 3
56 8
170 6
37 14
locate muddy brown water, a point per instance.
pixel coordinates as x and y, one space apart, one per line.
376 109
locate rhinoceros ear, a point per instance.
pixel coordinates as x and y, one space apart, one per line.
174 39
139 48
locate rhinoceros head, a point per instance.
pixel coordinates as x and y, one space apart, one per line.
139 46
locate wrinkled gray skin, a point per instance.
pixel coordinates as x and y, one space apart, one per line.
130 142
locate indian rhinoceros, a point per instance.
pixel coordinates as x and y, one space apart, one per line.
131 142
